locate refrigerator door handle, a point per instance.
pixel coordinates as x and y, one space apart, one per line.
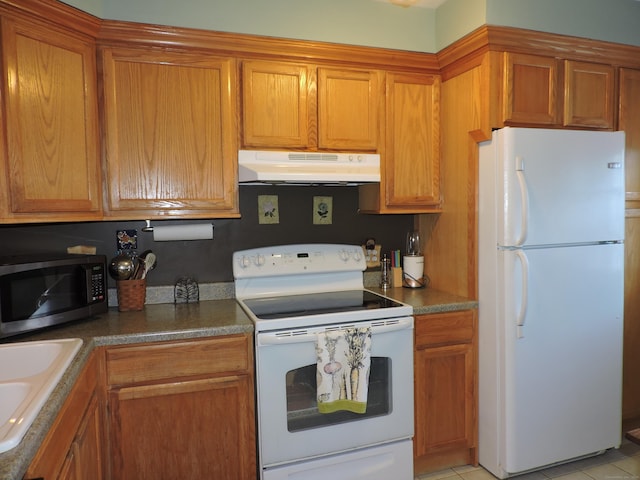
524 202
524 261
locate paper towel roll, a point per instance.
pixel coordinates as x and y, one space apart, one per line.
169 233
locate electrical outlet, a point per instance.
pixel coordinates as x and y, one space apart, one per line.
372 255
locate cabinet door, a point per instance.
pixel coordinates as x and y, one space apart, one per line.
88 445
530 89
445 390
588 95
51 158
275 110
629 122
184 429
69 469
170 131
349 109
411 164
85 456
73 447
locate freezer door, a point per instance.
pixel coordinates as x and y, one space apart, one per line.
558 186
561 363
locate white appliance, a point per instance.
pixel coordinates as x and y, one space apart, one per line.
280 167
293 294
551 230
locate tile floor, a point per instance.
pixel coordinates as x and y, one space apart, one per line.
620 464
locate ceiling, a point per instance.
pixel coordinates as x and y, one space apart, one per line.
416 3
420 3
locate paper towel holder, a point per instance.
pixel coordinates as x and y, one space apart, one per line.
149 228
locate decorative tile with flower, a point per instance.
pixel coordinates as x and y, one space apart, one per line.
268 209
322 210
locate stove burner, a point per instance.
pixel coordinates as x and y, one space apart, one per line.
287 306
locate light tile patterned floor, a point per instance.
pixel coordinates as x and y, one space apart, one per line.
620 464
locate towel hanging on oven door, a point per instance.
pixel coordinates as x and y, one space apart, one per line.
344 360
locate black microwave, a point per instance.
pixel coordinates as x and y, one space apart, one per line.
39 291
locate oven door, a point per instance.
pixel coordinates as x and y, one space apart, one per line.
289 424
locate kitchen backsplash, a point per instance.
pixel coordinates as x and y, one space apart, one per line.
303 214
214 291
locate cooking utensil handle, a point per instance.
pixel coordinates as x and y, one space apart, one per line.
299 336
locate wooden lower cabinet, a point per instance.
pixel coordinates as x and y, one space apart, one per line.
446 379
85 459
73 448
182 409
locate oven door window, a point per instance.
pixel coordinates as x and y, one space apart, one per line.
302 407
290 426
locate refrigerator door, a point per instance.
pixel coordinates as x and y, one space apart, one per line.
557 186
561 365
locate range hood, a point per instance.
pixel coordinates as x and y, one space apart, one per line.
307 168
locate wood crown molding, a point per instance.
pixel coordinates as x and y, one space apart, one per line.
469 49
53 13
463 54
126 34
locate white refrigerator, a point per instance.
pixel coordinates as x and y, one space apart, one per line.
551 272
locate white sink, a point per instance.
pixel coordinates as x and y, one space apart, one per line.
29 371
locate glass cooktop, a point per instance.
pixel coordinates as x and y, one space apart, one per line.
289 306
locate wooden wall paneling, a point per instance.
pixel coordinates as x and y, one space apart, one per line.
631 353
629 122
450 254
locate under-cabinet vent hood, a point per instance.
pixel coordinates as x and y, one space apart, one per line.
307 168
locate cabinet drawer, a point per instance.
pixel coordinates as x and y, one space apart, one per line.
155 361
445 328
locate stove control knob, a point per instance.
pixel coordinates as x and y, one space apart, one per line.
357 255
259 260
344 255
244 261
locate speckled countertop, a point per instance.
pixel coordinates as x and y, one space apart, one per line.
216 314
426 300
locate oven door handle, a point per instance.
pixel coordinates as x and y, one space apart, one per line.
294 336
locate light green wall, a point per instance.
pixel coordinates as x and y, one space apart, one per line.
377 24
357 22
456 18
610 20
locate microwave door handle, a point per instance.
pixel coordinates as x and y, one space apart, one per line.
280 339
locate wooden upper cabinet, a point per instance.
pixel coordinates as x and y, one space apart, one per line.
530 89
170 133
531 95
300 106
349 109
411 161
629 122
275 104
50 168
588 95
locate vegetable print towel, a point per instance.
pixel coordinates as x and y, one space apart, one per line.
344 359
